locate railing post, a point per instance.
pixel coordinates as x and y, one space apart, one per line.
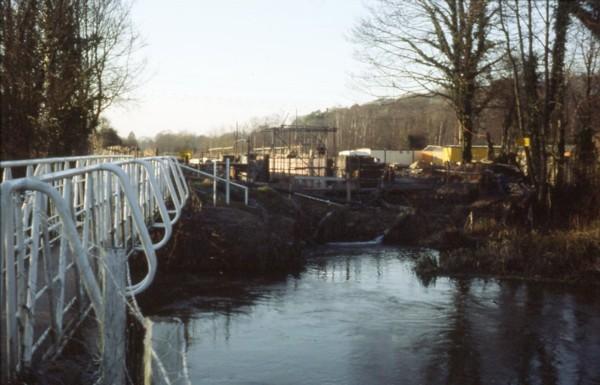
227 186
87 207
62 261
9 325
215 183
112 344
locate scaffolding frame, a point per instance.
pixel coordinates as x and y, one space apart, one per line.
299 149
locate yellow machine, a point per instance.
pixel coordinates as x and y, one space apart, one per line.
440 155
185 155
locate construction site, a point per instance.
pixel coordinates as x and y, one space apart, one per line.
306 159
298 158
291 155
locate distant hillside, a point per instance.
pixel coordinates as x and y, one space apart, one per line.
386 123
389 123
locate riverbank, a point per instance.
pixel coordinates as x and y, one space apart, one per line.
476 234
477 239
571 256
266 237
489 235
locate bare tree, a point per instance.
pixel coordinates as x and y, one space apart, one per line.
21 78
539 31
588 12
62 63
433 47
108 61
585 93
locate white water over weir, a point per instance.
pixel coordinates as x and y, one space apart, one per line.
68 227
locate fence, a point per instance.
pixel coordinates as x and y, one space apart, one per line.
215 178
59 226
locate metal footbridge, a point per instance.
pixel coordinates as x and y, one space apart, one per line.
68 227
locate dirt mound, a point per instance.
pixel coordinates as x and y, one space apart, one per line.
232 238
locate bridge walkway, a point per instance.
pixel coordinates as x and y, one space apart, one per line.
59 223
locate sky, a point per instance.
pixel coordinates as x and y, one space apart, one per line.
210 64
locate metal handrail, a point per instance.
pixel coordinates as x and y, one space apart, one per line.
147 246
6 166
162 208
99 205
28 162
216 177
177 199
6 190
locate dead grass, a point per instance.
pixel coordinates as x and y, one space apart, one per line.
569 255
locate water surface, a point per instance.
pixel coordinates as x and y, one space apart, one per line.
361 316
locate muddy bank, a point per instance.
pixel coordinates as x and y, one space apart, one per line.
483 234
433 218
256 238
268 235
482 225
476 233
561 255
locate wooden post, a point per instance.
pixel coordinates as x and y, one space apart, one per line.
112 343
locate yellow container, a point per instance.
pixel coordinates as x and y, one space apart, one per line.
440 155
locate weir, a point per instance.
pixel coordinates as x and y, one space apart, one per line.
68 228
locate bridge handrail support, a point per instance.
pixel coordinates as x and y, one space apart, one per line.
138 219
112 327
44 185
7 254
34 166
218 178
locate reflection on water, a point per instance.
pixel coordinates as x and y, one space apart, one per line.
363 317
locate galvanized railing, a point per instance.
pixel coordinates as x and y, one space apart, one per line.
56 224
37 167
215 178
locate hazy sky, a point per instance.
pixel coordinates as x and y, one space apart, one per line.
212 63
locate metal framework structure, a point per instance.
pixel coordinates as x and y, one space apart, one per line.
56 225
298 149
305 138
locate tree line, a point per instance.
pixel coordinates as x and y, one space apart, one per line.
62 63
469 71
535 62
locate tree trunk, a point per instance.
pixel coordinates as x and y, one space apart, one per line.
467 154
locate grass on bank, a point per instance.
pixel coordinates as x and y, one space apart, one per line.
566 255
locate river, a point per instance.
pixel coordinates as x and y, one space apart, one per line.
362 316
